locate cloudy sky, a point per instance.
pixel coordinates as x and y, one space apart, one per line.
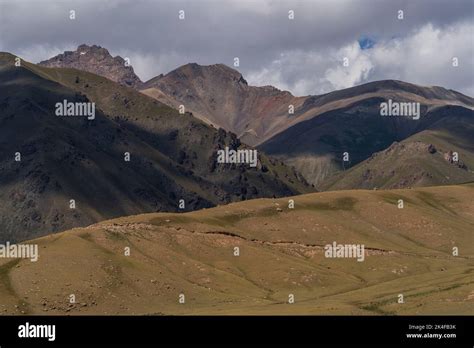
304 55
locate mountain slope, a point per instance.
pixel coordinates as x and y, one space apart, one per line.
173 156
281 251
322 128
220 95
316 147
426 158
97 60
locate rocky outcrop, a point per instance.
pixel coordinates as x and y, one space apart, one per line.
99 61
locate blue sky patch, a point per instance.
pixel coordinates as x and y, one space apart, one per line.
366 42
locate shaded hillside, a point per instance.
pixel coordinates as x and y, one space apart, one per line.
408 251
172 156
316 147
426 158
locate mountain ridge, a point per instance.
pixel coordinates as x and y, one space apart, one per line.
220 96
277 122
173 156
264 111
97 60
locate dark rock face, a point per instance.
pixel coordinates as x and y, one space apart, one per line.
97 60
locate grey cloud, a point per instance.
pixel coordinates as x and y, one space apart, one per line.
258 32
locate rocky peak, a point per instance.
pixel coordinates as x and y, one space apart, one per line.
97 60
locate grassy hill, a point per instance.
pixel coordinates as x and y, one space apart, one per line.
407 251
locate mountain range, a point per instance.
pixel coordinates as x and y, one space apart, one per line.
229 238
173 155
312 133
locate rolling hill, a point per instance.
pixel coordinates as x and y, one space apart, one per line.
281 252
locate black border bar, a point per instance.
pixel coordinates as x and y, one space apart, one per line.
226 330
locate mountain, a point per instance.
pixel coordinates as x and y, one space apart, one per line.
219 95
216 94
281 251
316 146
97 60
314 137
423 159
172 156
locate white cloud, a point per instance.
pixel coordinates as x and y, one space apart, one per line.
144 65
357 71
303 56
423 57
37 53
426 57
300 72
